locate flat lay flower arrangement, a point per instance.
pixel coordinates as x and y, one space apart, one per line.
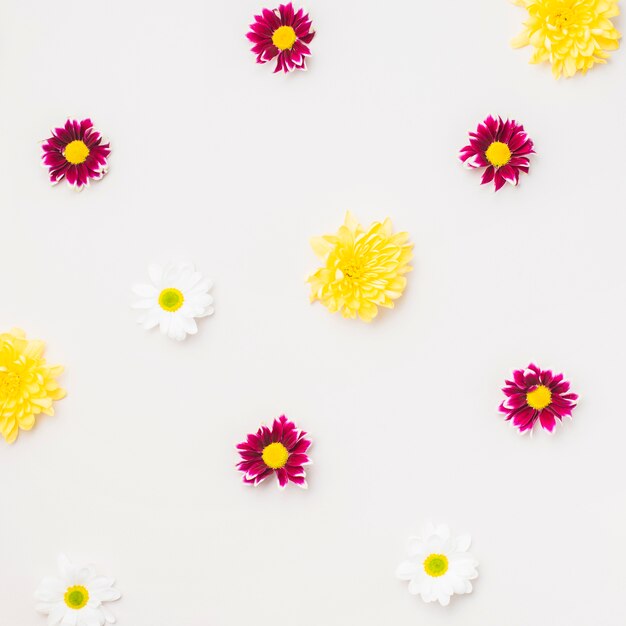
363 270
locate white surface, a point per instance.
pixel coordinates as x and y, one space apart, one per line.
217 160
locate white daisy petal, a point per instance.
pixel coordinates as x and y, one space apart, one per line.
49 596
415 545
70 618
202 286
91 617
200 299
170 274
443 597
463 542
110 595
150 319
458 584
143 303
407 570
199 281
415 586
443 531
189 325
434 543
50 590
187 278
101 582
108 616
176 330
165 322
156 274
65 567
145 291
427 589
56 614
208 311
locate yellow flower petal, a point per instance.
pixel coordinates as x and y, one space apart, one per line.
520 40
321 246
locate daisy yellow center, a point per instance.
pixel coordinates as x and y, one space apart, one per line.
540 398
498 154
436 565
275 455
171 299
76 152
76 597
284 37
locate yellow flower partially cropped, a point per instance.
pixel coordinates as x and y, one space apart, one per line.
573 35
363 269
27 385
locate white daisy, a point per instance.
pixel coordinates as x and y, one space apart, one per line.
177 295
439 565
75 597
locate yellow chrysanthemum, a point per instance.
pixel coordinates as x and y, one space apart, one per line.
364 269
573 35
27 385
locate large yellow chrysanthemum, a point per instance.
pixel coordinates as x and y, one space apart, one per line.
573 35
27 385
364 269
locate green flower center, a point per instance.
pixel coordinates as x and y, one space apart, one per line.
436 565
76 597
171 299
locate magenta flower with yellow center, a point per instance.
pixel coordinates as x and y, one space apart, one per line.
537 395
502 148
572 35
283 34
77 153
281 450
363 268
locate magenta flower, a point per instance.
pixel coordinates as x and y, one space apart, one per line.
536 394
502 147
280 451
283 34
76 153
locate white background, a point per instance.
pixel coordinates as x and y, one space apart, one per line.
218 161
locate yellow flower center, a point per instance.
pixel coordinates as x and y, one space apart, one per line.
284 37
540 398
171 299
563 17
9 384
352 270
498 154
436 565
76 597
275 455
76 152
